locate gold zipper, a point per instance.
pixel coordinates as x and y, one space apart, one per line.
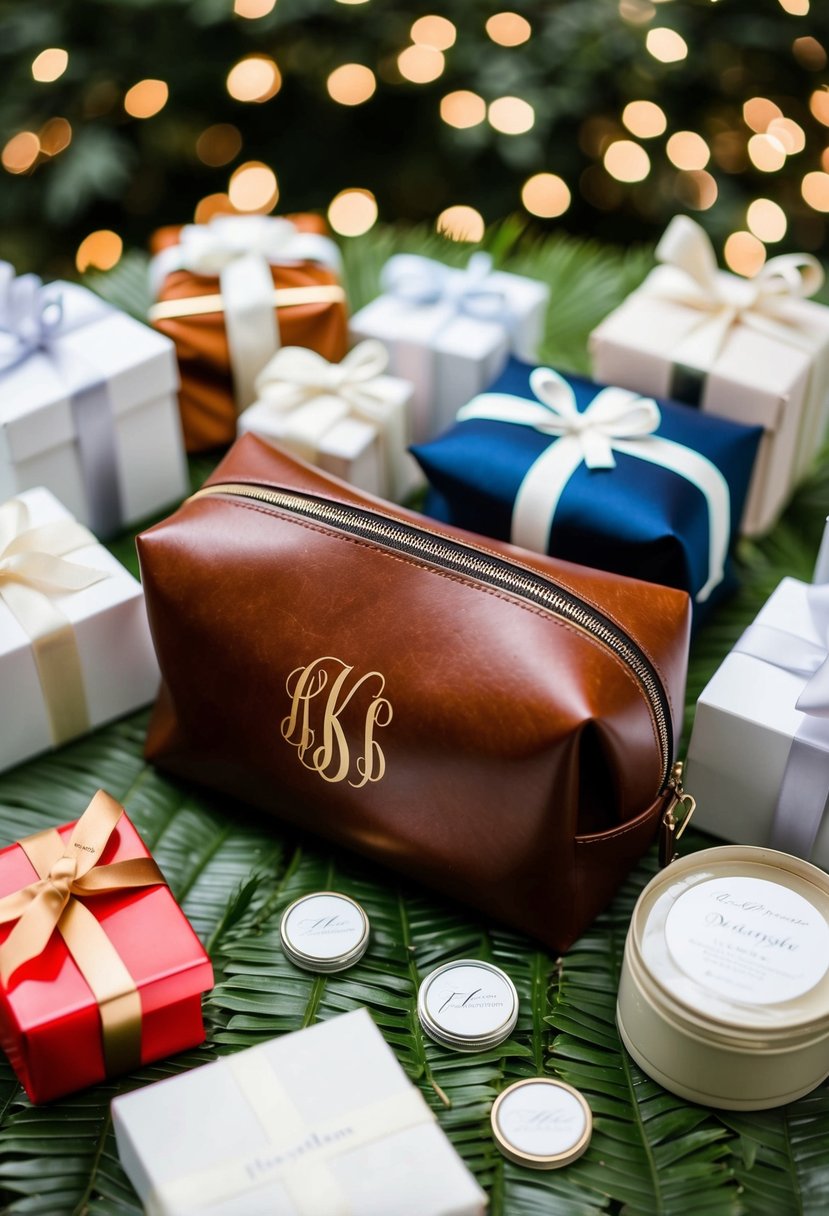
488 568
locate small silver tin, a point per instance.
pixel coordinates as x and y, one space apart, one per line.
468 1005
324 932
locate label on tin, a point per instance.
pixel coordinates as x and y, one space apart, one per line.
324 926
748 940
469 1001
541 1120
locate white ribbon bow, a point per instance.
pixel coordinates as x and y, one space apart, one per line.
689 276
29 316
422 282
33 571
312 395
616 420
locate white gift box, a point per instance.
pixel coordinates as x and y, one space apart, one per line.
117 659
769 369
322 1122
448 349
359 433
745 724
136 426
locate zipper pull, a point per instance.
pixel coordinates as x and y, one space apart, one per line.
670 830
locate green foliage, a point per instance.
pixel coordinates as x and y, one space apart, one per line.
234 873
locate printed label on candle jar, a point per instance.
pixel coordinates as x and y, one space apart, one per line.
541 1120
324 926
469 1000
748 940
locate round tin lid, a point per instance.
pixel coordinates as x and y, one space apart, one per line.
324 932
541 1123
468 1004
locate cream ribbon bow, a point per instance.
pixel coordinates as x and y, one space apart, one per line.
616 420
33 571
312 395
689 276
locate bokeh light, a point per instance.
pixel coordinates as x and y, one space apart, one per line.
797 8
462 109
688 150
253 187
758 112
766 153
219 144
809 53
256 78
50 64
696 188
146 98
744 254
420 64
511 115
546 195
54 136
461 223
20 152
351 84
437 32
508 29
789 133
253 8
645 119
99 251
815 190
627 161
213 204
666 45
766 219
819 105
352 212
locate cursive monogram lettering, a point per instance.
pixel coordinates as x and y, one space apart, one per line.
320 694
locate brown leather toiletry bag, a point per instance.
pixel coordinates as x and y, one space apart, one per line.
495 723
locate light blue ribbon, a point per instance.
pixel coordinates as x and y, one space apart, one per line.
423 282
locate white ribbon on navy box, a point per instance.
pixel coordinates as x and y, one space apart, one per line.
33 319
804 791
240 249
615 420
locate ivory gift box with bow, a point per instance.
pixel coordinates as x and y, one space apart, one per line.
75 647
321 1122
599 476
87 405
450 331
231 292
100 971
755 351
758 759
346 418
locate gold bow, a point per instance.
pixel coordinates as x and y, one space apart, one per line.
68 872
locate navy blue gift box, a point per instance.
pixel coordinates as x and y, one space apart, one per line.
637 518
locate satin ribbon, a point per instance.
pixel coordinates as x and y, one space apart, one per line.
309 396
689 276
240 249
821 574
295 1153
33 319
33 570
67 874
423 282
804 791
616 420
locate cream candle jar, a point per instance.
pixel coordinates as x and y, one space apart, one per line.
724 991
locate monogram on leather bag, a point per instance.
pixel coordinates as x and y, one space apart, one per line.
495 723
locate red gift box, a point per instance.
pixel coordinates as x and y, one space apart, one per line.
51 1024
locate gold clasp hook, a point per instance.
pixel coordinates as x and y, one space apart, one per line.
671 829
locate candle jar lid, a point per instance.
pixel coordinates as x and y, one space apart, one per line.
324 932
468 1005
541 1123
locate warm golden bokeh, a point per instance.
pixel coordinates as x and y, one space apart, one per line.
352 212
645 119
253 187
766 219
627 161
819 105
815 190
809 53
50 64
511 115
461 223
213 204
55 135
666 45
256 78
546 195
99 251
696 188
146 98
219 144
766 153
420 64
20 152
688 150
758 112
253 8
508 29
789 133
462 109
437 32
797 8
351 84
744 254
